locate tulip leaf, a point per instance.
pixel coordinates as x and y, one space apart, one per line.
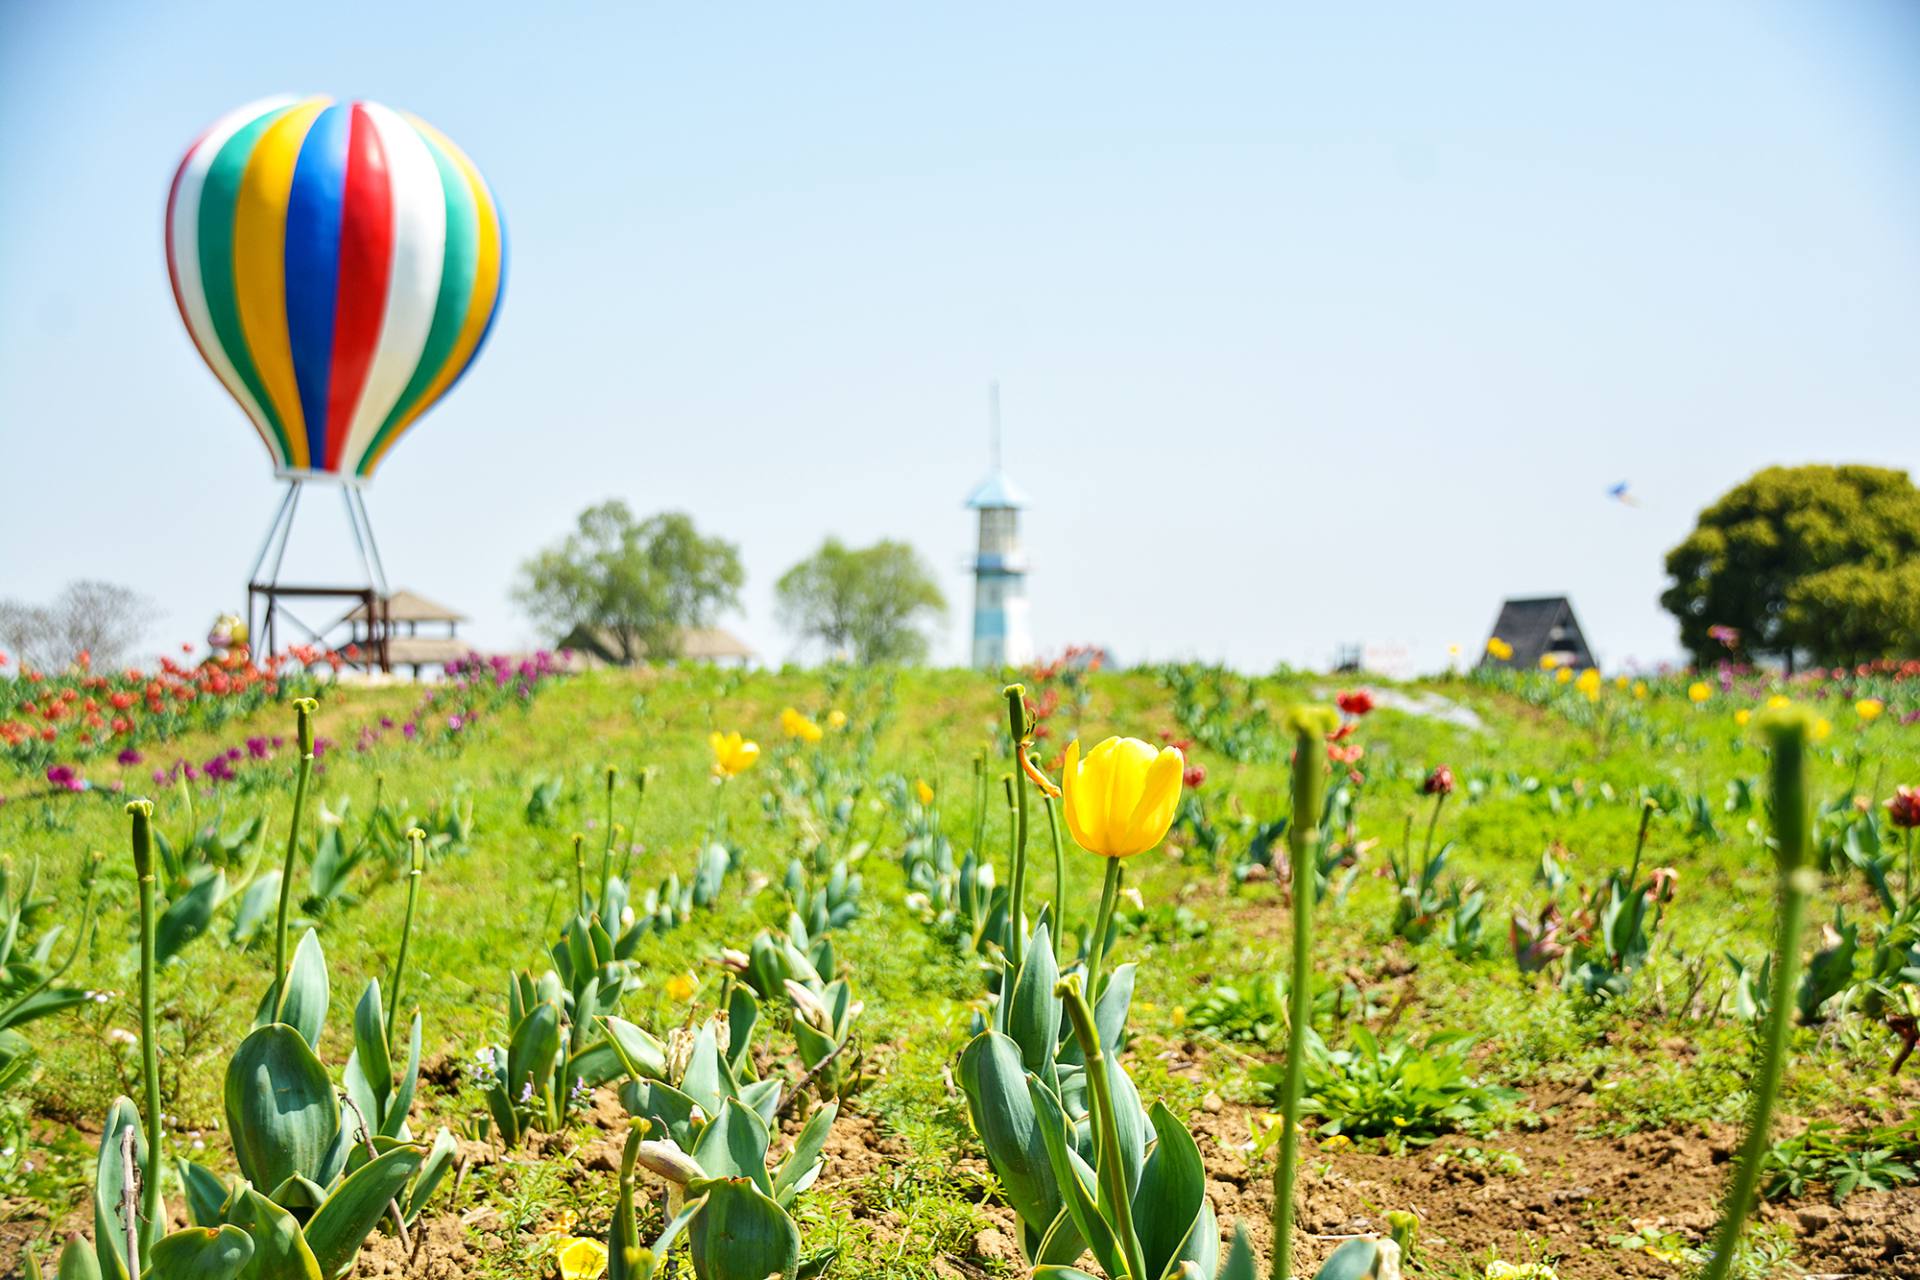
206 1194
670 1108
256 907
1075 1180
394 1125
531 1052
282 1114
1358 1260
764 1097
707 1080
797 1172
109 1187
640 1055
77 1260
1109 1017
1033 1017
1061 1243
199 1253
1173 1189
995 1083
741 1234
1059 1273
308 992
439 1160
280 1251
1240 1264
743 1015
734 1145
340 1226
188 915
370 1050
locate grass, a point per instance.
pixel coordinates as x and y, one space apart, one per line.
1533 779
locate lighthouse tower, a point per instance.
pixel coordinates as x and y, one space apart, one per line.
1002 634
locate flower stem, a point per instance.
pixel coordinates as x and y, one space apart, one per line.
1017 890
1059 879
579 875
606 854
1106 1128
1795 881
1303 840
141 811
1102 925
418 839
303 709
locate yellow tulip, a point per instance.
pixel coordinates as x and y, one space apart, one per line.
1778 701
732 754
795 725
922 792
582 1259
1640 689
836 719
1120 799
1499 650
1699 691
1619 682
681 987
1589 683
1563 676
1869 709
1821 728
1741 717
1548 661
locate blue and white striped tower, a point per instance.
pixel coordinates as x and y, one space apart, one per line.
1002 633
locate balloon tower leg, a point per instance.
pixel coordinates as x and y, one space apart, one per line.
275 545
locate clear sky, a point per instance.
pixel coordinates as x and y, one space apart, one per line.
1315 323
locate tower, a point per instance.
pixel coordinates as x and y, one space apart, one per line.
1001 631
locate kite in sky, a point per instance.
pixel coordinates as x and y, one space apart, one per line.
1620 495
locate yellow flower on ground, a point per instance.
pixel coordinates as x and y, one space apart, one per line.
1499 650
582 1259
1589 683
1699 691
1619 682
681 987
795 725
922 792
1563 676
1741 716
1869 709
1548 661
1778 701
1821 728
1120 799
836 719
732 754
1497 1270
1640 689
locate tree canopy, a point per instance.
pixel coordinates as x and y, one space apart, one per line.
639 582
101 619
1815 560
869 603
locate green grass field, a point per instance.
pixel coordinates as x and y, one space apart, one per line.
1538 1123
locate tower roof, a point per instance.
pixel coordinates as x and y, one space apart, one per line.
997 490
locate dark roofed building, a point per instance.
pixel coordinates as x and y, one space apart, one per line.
1537 626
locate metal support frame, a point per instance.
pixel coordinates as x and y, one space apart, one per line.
265 594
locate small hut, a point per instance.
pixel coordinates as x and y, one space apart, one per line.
397 620
1536 626
596 646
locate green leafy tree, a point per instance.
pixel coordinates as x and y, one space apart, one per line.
1821 560
870 603
640 583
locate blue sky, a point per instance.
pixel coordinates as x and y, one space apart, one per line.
1315 324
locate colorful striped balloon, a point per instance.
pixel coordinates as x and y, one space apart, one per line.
339 265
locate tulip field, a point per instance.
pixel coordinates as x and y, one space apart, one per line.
1156 974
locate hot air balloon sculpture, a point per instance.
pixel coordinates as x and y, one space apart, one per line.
339 266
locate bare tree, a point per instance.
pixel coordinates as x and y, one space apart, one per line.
102 619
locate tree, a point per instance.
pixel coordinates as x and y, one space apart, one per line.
101 619
869 604
1821 560
640 583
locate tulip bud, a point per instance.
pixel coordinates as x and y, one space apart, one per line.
809 1006
737 961
141 811
664 1158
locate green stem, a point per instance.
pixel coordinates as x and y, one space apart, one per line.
1303 839
624 1238
1017 890
1908 881
979 805
303 709
1112 1170
1059 880
579 875
1102 925
606 854
1796 880
1640 843
1433 821
141 812
418 839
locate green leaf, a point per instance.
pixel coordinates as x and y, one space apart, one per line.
1033 1017
77 1261
200 1253
370 1049
1060 1273
530 1054
402 1101
1173 1189
995 1083
1074 1178
308 992
640 1055
741 1234
707 1080
1240 1264
109 1187
188 915
206 1194
734 1145
282 1114
337 1229
743 1015
764 1097
256 907
280 1252
432 1171
1359 1260
801 1166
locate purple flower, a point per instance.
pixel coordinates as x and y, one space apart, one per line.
454 722
128 756
232 753
386 722
159 777
409 729
258 748
320 746
63 776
